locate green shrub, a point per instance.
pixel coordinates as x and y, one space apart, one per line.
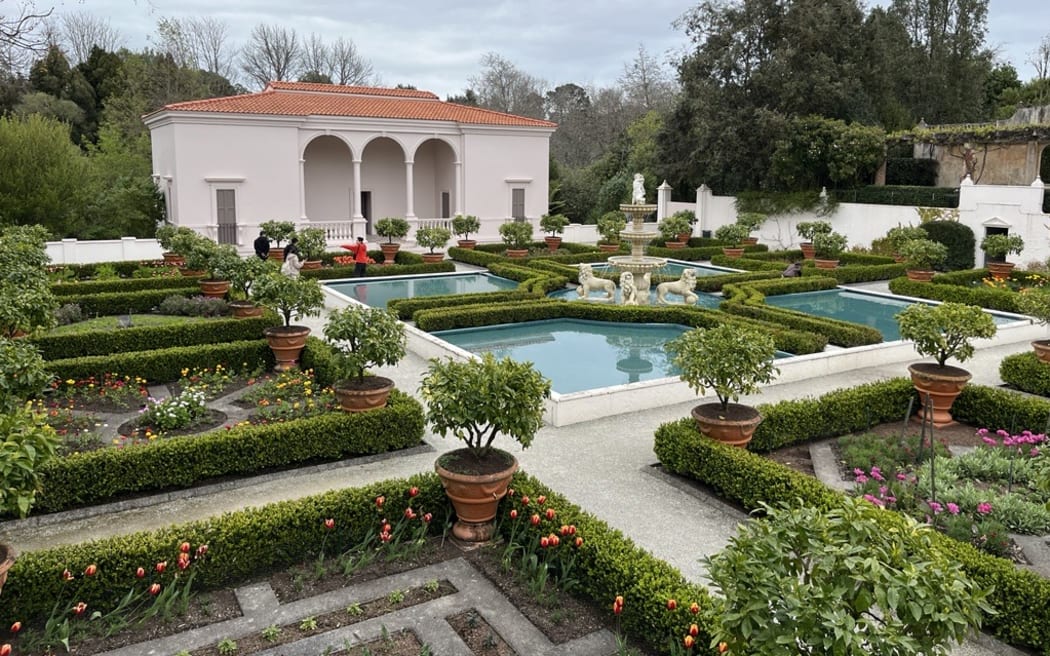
121 285
68 314
910 171
959 239
941 289
407 307
405 267
1026 372
194 306
143 300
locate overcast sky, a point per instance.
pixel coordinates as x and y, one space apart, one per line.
437 46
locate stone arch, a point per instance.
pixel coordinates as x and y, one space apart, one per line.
383 179
434 179
328 178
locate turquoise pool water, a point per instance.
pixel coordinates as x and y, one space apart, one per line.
868 309
375 292
577 354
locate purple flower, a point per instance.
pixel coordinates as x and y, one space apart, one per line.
876 473
934 506
990 441
901 476
1033 452
857 471
953 508
874 500
862 479
984 508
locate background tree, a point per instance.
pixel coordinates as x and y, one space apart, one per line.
504 87
82 31
348 65
646 83
20 24
271 53
1040 59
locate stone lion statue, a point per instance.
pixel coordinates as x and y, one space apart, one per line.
628 292
589 282
684 287
638 189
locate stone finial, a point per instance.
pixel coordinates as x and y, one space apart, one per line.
823 192
703 188
665 186
967 181
1038 183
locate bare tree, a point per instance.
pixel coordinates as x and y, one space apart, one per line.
175 39
272 53
1040 59
646 83
81 31
348 66
19 29
504 87
198 42
315 62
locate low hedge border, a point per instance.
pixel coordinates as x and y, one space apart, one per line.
251 543
955 288
123 268
121 285
1021 598
696 253
105 342
791 341
143 300
407 307
1026 372
165 365
106 474
373 271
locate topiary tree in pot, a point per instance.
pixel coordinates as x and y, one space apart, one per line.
899 235
164 235
242 276
672 228
476 401
838 581
391 227
610 225
517 235
808 230
942 331
313 242
288 296
1035 302
752 221
217 261
729 360
364 337
827 247
921 257
996 248
465 225
732 235
554 225
277 231
433 237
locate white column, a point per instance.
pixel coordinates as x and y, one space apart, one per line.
701 207
663 198
355 197
459 188
302 189
410 211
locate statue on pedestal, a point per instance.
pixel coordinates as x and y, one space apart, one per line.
638 189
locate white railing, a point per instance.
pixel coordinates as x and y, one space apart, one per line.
74 251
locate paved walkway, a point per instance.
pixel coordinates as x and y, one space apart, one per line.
605 466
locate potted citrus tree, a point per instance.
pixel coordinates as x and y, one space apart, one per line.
242 276
464 225
164 235
996 248
827 247
181 243
476 401
1035 302
610 225
690 218
364 337
517 235
313 242
288 296
433 237
896 238
808 230
391 227
752 221
942 331
732 236
217 262
554 225
276 232
673 228
921 257
730 361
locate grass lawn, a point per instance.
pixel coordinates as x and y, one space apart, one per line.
137 320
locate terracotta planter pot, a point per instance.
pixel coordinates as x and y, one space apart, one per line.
468 244
807 250
553 243
245 309
287 343
750 241
517 252
734 427
685 236
214 288
1000 270
190 273
674 244
608 248
733 252
8 555
173 259
475 496
942 384
900 259
389 252
431 258
825 264
372 394
276 254
311 265
1042 349
919 275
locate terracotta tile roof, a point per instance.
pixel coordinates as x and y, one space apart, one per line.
308 99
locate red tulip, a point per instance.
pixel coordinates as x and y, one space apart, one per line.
554 540
564 529
161 566
672 604
67 575
16 627
202 550
544 542
694 608
5 649
184 547
91 570
427 517
413 491
409 513
722 648
550 513
79 608
140 573
572 529
534 520
688 642
386 528
541 499
619 599
524 501
154 589
510 492
579 542
329 523
694 630
384 537
380 501
514 513
184 561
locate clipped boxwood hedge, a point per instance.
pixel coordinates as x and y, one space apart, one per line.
1026 372
86 287
958 238
942 288
123 268
399 269
143 300
1020 597
106 474
143 338
407 307
165 365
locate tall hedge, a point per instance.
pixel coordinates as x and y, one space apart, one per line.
958 238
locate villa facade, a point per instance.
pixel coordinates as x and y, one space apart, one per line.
343 157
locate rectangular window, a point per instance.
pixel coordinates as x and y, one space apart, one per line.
517 204
226 215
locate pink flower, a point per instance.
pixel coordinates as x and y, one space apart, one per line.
953 508
984 508
857 471
862 479
1033 452
901 477
874 500
934 506
989 441
876 473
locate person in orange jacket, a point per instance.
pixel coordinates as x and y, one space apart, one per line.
360 251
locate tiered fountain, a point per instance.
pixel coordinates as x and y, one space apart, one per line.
638 263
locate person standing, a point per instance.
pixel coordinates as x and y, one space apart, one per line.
262 245
360 251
